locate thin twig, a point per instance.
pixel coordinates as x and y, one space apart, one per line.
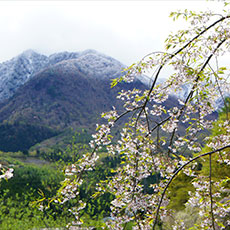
210 190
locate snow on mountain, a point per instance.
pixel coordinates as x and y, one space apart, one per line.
58 57
20 69
17 71
95 64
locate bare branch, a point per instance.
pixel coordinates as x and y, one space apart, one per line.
210 190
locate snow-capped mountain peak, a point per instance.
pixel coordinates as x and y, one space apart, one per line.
20 69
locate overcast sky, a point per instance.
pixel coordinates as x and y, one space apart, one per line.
125 30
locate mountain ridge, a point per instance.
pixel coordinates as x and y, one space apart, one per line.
70 93
65 90
17 71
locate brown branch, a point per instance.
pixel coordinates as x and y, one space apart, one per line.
147 120
159 124
196 80
158 138
210 190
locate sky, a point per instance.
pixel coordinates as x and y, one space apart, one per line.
124 30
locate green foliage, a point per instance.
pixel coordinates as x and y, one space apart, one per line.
226 109
21 136
188 215
179 189
97 223
18 194
64 148
31 178
16 213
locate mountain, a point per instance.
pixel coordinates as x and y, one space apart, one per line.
42 98
63 90
60 95
17 71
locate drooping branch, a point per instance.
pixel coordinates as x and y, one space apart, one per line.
194 87
175 174
97 146
175 54
210 191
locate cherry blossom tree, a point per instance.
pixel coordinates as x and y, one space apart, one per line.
166 141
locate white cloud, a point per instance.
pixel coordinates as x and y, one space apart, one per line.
126 30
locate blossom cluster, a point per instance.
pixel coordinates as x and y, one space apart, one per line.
6 174
157 138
